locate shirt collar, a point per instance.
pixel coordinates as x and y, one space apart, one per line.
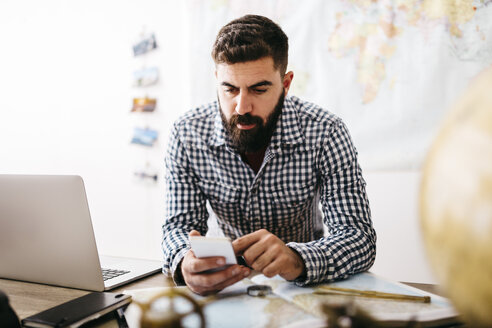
287 131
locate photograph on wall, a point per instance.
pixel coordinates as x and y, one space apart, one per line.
144 104
146 77
145 137
146 175
145 44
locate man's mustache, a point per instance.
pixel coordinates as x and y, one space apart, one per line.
245 119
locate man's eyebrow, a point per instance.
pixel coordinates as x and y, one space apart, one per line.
260 84
256 85
226 84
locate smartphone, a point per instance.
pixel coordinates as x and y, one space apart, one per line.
213 246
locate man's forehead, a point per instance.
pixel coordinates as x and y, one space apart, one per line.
248 73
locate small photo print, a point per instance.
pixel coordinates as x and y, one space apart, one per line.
145 77
144 44
147 174
144 104
144 175
144 137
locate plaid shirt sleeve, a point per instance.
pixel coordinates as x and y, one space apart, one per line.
185 210
351 245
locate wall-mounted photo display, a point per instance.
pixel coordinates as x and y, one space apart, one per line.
144 104
145 44
145 137
146 173
146 77
143 175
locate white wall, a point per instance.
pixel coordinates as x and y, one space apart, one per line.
65 96
400 254
66 90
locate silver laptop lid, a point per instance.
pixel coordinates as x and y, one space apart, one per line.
46 232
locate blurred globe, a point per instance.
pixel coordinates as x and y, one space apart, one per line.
456 203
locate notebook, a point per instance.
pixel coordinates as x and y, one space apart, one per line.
46 236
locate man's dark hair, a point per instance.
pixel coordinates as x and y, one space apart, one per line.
249 38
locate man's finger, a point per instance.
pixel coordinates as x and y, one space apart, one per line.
261 261
197 265
244 242
210 280
194 233
272 269
243 273
254 251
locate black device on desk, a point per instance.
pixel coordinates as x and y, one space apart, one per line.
78 311
8 318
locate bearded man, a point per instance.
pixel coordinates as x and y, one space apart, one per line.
264 162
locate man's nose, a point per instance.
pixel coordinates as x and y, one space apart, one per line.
243 104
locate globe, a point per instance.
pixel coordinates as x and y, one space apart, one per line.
456 203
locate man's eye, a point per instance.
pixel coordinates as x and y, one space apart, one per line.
260 90
230 90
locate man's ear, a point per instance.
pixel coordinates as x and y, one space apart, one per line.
288 77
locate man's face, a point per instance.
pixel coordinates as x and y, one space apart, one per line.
251 98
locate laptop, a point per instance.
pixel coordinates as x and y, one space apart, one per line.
46 236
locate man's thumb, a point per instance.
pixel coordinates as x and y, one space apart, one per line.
194 233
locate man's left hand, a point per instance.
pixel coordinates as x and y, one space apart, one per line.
266 253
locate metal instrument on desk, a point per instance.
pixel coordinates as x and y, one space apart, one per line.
329 290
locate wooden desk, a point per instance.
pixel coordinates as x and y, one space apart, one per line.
29 298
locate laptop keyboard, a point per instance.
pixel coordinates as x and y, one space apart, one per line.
111 273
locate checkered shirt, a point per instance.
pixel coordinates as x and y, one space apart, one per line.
310 161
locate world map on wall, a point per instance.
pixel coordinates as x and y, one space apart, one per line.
373 41
389 68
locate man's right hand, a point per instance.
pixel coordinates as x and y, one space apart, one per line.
201 282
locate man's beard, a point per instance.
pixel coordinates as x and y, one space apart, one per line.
247 141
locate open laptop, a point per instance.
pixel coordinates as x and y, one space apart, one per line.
46 236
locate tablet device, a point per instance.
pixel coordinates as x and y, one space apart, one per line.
213 246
